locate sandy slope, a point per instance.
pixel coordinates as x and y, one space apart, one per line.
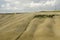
34 26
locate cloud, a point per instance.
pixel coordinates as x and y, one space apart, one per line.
2 5
32 4
51 3
47 3
28 5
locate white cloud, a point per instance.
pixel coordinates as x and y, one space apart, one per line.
21 5
40 4
10 0
17 2
7 5
12 4
50 3
15 8
2 5
32 4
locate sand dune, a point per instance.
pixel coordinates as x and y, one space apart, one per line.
30 26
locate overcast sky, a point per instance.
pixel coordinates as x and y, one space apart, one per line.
28 5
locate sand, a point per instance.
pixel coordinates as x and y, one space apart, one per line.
30 26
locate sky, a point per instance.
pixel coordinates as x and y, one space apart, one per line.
28 5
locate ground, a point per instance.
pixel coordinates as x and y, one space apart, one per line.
30 26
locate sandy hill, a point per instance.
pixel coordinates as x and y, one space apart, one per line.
30 26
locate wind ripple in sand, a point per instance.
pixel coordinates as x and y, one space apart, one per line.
29 27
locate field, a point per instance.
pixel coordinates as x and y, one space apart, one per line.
30 26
